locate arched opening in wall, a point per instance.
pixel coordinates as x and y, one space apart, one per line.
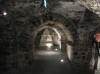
48 39
52 38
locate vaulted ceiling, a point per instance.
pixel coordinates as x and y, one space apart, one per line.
92 5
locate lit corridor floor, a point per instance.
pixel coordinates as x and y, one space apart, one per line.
47 67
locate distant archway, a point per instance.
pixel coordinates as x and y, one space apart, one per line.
53 37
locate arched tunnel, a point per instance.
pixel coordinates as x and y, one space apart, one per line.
53 39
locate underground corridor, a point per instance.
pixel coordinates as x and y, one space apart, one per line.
49 37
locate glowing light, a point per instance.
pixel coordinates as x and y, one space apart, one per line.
62 60
49 45
5 13
45 3
56 49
